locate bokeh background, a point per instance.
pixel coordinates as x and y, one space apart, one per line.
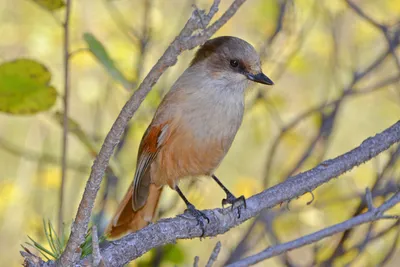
336 83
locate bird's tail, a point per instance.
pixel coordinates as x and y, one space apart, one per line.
127 220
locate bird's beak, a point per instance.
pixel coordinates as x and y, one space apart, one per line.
260 78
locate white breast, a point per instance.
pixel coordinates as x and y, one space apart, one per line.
213 109
211 106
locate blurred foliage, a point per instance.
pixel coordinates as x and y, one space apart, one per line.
313 50
50 5
173 254
101 54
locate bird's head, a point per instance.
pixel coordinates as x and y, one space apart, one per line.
231 59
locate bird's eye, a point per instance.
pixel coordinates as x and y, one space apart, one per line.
234 63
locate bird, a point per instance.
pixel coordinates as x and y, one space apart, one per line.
192 130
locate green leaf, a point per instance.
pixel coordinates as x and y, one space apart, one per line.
98 50
50 5
24 87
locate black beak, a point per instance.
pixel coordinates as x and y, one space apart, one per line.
260 78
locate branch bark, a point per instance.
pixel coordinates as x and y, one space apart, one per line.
214 255
166 231
372 215
184 41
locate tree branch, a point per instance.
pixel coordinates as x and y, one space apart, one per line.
214 255
96 256
370 216
185 41
65 116
165 231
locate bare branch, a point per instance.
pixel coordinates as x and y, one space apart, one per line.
368 199
196 261
385 29
185 41
65 116
339 247
96 256
369 216
214 255
362 14
169 230
348 91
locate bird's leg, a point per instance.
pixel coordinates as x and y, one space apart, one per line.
230 198
200 216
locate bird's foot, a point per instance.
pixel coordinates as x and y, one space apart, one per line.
200 217
236 202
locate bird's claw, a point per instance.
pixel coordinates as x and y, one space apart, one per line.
236 202
200 217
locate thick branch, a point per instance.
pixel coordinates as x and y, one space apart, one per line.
166 231
372 215
184 41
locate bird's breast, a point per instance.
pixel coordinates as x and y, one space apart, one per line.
216 117
203 132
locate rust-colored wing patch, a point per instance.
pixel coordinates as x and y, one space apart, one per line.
152 141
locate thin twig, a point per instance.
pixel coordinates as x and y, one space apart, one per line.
214 255
369 239
65 116
196 261
278 27
348 90
185 41
362 14
96 256
338 250
368 199
393 41
369 216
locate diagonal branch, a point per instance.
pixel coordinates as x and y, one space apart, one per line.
370 216
130 247
184 41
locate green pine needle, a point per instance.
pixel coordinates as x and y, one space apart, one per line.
57 243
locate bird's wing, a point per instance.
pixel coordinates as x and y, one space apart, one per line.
153 139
